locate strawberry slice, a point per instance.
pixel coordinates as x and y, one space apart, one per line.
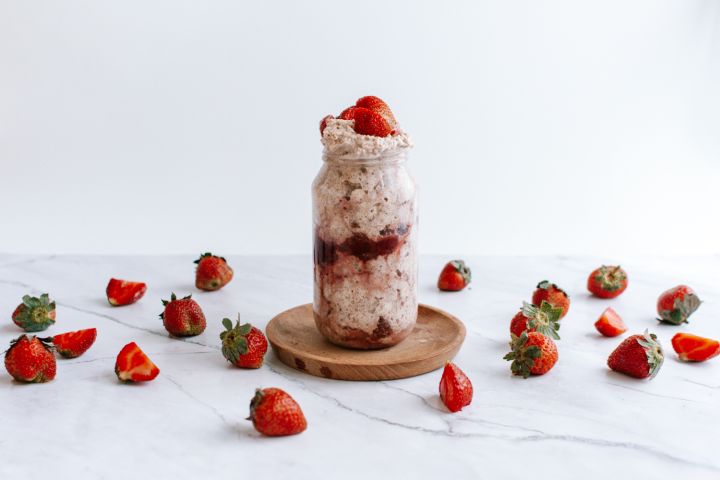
692 348
610 324
368 122
124 292
456 390
378 106
133 365
348 113
74 344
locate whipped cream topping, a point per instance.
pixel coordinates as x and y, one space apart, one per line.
340 139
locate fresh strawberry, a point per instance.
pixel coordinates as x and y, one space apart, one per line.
639 356
378 106
677 304
554 295
610 324
183 317
74 344
348 113
34 314
243 345
212 272
531 354
275 413
124 292
607 281
456 390
132 365
530 318
454 276
30 360
692 348
323 123
368 122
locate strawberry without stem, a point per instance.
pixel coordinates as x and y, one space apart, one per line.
243 345
456 390
454 276
677 304
693 348
530 318
368 122
183 317
212 272
378 106
123 292
74 344
531 354
607 281
30 360
34 314
275 413
610 324
132 365
638 356
554 295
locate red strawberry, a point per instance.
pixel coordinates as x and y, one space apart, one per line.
368 122
530 318
692 348
454 276
348 113
677 304
183 317
607 281
638 356
456 390
30 360
74 344
610 324
274 413
531 354
323 123
212 272
378 106
554 295
132 365
243 345
34 314
124 292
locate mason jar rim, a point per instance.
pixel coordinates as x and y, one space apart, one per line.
386 158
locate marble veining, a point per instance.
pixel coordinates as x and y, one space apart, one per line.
579 421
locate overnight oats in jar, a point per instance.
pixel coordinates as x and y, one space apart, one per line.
365 230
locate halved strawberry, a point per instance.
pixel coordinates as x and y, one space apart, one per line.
693 348
456 390
378 106
348 113
74 344
124 292
132 365
368 122
610 324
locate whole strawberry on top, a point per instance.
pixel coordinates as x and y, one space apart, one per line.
243 345
183 317
531 354
554 295
693 348
677 304
34 314
212 272
74 344
607 281
275 413
456 390
454 276
371 115
530 318
639 356
30 360
123 292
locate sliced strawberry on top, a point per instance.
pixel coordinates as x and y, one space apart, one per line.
348 113
610 324
74 344
368 122
378 106
124 292
132 365
693 348
456 390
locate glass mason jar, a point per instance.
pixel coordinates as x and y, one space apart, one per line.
365 254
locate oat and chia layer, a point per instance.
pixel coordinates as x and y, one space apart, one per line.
364 214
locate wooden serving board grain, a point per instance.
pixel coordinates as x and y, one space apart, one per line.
436 339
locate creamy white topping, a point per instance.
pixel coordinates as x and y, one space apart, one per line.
340 139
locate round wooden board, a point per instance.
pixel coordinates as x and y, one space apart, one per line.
436 339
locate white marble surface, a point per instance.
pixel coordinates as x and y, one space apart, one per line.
578 421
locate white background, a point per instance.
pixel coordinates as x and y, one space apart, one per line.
182 126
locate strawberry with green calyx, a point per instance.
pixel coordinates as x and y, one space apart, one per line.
531 354
212 272
183 317
639 356
34 314
243 345
530 318
677 304
454 276
607 281
30 360
275 413
554 295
